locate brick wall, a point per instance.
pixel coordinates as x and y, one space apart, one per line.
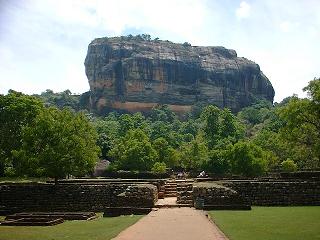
75 197
278 193
216 194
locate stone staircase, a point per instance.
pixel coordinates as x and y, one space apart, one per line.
177 193
170 188
184 193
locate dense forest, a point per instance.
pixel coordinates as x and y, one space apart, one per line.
53 134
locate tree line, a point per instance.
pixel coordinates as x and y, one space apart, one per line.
40 138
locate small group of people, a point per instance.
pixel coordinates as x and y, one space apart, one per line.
202 174
181 175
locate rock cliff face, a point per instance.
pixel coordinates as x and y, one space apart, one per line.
132 74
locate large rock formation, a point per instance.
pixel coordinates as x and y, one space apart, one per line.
135 74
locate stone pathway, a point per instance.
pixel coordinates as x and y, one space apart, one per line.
173 224
167 202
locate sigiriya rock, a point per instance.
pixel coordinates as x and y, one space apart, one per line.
135 74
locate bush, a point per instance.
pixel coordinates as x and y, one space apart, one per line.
289 166
247 159
9 172
159 167
217 163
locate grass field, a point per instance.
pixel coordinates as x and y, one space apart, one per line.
101 228
270 223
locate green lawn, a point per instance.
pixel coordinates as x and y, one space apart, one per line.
270 223
101 228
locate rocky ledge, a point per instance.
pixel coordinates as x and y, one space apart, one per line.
135 74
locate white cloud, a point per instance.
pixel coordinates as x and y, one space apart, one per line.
74 79
285 26
244 10
43 43
115 16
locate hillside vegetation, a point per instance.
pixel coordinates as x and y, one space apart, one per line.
51 135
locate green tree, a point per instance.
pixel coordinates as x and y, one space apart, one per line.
274 143
220 127
193 154
166 153
105 144
108 133
217 162
159 167
211 125
256 113
190 126
162 113
247 159
128 122
61 100
134 152
302 126
58 143
16 111
289 166
160 129
230 126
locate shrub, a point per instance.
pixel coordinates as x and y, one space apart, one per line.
247 159
217 162
159 167
289 166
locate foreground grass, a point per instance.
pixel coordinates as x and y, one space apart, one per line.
270 223
101 228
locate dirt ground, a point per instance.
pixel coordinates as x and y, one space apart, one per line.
173 224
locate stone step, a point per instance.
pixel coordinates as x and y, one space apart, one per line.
188 188
170 188
185 192
184 198
185 205
170 185
173 205
185 201
170 194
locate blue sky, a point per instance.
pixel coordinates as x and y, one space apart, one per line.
43 43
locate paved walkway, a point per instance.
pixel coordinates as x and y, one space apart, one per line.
173 224
168 201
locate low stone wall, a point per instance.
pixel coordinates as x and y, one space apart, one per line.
277 193
216 196
75 197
